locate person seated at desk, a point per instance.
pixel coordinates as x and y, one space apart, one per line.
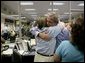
2 40
12 36
5 32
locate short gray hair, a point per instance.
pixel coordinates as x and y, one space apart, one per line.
54 16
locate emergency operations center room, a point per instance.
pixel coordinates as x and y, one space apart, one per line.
42 31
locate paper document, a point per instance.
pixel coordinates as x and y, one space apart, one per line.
8 51
33 42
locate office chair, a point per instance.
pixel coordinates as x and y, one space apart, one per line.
16 57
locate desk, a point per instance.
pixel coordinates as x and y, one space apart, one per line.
26 56
9 51
6 56
11 45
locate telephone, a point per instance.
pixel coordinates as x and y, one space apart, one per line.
4 48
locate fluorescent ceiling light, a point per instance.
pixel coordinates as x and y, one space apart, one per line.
49 9
33 15
14 15
77 10
55 3
26 3
29 9
81 4
23 17
53 9
67 13
58 3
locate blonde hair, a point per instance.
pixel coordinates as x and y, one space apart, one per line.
41 22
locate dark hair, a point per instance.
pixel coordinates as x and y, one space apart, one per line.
77 33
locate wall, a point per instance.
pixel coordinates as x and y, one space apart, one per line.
6 10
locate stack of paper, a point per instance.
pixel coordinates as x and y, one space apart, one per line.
8 51
33 42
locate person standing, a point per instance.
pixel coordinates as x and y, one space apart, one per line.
46 41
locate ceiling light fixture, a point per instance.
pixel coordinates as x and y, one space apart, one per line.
29 9
53 9
67 13
54 3
14 15
33 15
23 17
26 3
81 4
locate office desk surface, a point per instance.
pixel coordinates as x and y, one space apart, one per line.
9 51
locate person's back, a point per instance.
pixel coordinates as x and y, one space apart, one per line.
69 52
5 32
63 35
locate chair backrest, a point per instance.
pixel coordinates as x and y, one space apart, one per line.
16 57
